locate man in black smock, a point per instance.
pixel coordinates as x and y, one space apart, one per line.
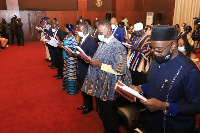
172 87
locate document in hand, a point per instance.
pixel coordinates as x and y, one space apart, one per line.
126 45
53 42
129 46
68 50
127 92
82 54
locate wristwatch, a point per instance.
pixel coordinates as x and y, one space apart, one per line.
166 109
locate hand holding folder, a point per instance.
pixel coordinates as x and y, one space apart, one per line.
68 50
127 92
82 54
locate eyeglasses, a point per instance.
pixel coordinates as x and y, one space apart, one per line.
160 51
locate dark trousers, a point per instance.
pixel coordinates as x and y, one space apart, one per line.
7 37
109 116
13 34
59 60
87 101
52 54
138 78
3 34
20 39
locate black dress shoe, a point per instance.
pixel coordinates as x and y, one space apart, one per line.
50 66
53 67
56 75
48 60
59 77
81 108
85 111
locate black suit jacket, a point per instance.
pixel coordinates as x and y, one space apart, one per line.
89 46
60 34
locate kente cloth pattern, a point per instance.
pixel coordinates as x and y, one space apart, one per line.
101 84
136 61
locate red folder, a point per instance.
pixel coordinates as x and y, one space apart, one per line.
128 92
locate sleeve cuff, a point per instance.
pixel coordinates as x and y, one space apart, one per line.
144 88
108 68
173 110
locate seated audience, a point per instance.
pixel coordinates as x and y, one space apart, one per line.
187 49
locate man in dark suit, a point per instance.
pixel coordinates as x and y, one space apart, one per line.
58 51
13 30
89 46
116 30
20 32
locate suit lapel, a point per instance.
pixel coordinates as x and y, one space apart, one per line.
86 39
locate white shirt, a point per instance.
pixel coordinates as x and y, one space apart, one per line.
83 39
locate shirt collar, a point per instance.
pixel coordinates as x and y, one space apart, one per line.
109 39
83 39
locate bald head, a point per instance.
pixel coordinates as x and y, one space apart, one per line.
113 21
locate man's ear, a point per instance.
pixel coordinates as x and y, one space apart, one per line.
174 45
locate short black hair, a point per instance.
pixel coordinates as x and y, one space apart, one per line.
104 22
88 21
84 24
189 28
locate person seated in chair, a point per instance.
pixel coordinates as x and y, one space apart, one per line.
3 42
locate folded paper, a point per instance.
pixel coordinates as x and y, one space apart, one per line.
127 92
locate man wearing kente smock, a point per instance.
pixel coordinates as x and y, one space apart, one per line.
107 67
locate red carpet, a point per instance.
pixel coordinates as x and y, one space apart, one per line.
31 99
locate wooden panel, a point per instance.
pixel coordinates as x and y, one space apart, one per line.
138 16
92 15
124 5
159 5
63 17
82 8
167 12
99 5
72 16
135 10
128 8
3 5
49 5
138 5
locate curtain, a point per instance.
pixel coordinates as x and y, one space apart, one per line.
185 11
12 9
